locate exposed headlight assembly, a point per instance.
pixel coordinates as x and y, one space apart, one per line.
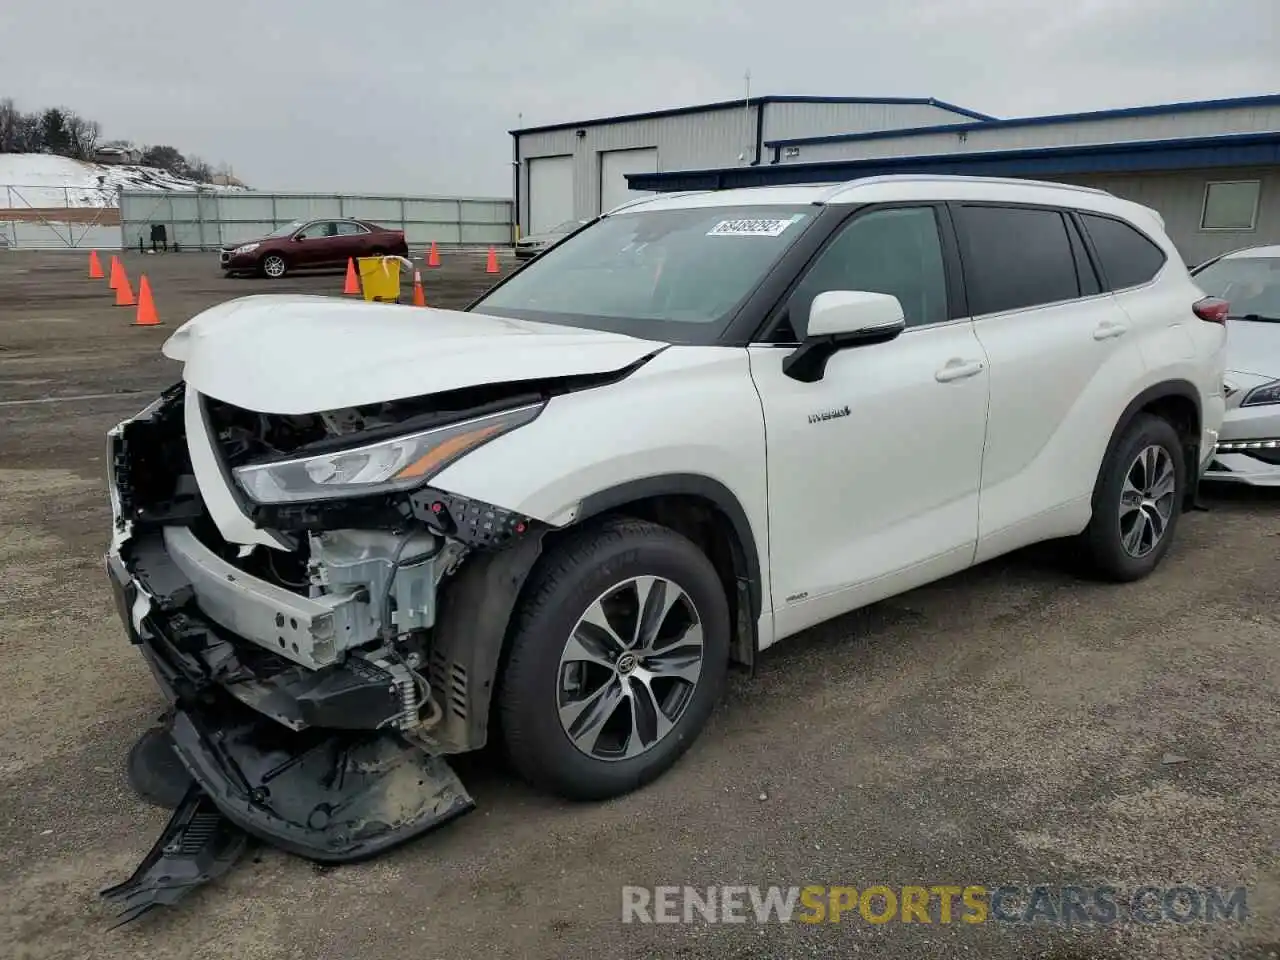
246 248
399 463
1258 396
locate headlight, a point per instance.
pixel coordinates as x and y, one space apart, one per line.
396 464
1267 393
246 248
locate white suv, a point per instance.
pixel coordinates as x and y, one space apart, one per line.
360 537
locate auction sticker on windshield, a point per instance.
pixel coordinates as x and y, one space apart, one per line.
753 228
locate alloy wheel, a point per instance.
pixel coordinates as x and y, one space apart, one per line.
629 668
1147 500
273 267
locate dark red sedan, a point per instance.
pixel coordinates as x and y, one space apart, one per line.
312 243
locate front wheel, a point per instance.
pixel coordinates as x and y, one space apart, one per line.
620 654
1137 502
274 266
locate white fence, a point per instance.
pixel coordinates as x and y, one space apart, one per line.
44 217
208 220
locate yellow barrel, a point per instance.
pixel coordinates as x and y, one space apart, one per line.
380 278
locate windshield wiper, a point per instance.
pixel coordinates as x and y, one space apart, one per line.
1255 317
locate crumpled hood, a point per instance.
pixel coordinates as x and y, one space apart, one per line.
303 354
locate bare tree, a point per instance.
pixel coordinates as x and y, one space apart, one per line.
10 118
83 136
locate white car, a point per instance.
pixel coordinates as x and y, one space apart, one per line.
1249 449
358 538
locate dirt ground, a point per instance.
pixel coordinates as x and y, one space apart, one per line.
1012 725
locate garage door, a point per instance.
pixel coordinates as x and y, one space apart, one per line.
614 165
550 193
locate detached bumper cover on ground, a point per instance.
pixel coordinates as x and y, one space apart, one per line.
329 796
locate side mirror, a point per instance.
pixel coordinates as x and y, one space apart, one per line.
838 320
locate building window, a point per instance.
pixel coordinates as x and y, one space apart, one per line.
1230 205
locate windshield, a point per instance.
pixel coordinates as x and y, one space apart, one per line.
675 275
1250 284
287 229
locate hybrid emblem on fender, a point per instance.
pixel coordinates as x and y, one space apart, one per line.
829 414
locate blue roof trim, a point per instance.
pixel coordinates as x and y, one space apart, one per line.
1265 100
753 102
1233 150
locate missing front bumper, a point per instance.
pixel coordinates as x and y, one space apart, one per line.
330 796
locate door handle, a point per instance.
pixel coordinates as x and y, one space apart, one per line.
1105 331
958 370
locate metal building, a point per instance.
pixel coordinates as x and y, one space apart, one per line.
576 170
1211 168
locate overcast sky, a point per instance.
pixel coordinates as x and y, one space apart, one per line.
417 97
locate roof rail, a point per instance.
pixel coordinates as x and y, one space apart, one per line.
957 178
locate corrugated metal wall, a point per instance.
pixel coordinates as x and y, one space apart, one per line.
711 138
684 142
1204 123
783 120
206 221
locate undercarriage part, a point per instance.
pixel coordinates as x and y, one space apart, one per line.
198 845
327 796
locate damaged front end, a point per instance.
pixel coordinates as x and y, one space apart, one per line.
325 625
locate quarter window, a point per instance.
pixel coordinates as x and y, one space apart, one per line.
1016 258
1230 205
896 251
1128 258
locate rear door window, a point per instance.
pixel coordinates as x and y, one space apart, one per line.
1128 258
1016 258
348 229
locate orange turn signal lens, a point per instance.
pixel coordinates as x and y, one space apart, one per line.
446 451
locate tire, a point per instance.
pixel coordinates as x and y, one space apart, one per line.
273 266
1110 540
599 568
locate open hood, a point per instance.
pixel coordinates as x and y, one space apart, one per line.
304 354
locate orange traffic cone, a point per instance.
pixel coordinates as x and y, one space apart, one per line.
124 292
419 297
146 306
492 265
115 273
95 266
353 282
433 258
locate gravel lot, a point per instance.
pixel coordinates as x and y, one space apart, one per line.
1010 725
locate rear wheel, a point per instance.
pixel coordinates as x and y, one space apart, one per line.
1137 502
274 266
619 657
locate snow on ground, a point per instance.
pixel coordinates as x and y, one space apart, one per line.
43 180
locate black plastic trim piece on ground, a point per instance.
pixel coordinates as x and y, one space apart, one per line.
328 796
198 845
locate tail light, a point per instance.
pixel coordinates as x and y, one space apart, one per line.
1211 309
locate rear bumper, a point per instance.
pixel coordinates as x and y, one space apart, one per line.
331 796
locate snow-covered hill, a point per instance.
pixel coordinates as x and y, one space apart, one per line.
42 180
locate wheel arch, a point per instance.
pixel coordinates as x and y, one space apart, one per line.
473 624
1178 402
